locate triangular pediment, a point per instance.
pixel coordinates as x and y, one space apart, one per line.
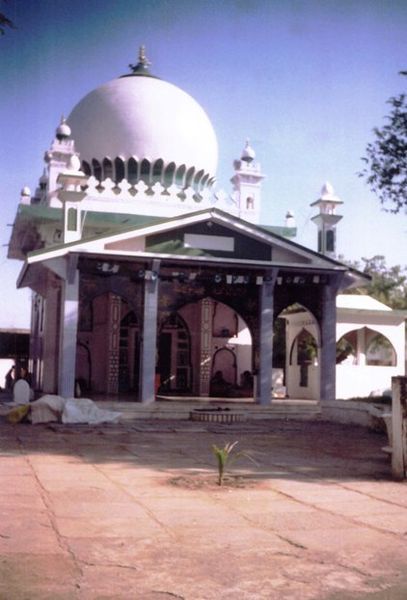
213 234
209 235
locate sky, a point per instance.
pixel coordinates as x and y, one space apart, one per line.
306 81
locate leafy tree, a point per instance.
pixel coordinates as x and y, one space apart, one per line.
5 22
386 160
388 285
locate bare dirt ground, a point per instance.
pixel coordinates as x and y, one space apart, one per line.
133 511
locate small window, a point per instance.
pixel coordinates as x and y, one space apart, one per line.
330 240
72 219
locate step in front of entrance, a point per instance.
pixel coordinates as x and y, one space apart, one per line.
183 411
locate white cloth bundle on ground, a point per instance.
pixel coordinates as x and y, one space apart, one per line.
52 408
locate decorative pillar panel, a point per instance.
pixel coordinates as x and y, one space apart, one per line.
205 359
113 327
149 339
328 344
264 375
68 334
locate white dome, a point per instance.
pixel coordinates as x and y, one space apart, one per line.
145 118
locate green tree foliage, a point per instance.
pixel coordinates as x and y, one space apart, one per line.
5 22
386 158
388 285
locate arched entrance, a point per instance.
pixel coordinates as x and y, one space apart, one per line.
174 356
304 365
201 338
365 346
108 345
297 347
224 372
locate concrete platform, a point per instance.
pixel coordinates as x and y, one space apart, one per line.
132 511
181 407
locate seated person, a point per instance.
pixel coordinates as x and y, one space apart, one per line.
219 386
246 381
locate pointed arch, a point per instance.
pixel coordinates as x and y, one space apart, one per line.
223 372
109 327
96 169
158 168
180 176
174 363
380 351
107 168
204 181
145 171
119 169
169 172
129 349
296 351
85 166
132 170
197 178
189 176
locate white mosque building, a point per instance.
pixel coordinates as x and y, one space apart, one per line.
145 279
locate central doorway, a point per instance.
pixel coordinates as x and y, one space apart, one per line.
174 356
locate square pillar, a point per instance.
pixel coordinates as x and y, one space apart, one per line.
399 428
68 335
266 322
328 344
149 337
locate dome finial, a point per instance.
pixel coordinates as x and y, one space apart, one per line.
141 68
248 154
142 58
63 131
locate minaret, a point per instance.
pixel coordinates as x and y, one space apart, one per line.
327 219
71 194
58 158
247 185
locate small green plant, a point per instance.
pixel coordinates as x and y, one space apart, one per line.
226 455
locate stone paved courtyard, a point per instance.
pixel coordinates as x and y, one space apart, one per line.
132 511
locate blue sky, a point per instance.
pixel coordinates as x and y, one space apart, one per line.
305 81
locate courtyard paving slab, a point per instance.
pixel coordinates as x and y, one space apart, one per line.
133 511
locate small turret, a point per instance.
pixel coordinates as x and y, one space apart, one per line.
63 131
247 185
290 219
327 219
57 159
25 195
72 181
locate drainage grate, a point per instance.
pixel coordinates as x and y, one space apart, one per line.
216 416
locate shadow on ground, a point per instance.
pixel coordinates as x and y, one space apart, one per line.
284 449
